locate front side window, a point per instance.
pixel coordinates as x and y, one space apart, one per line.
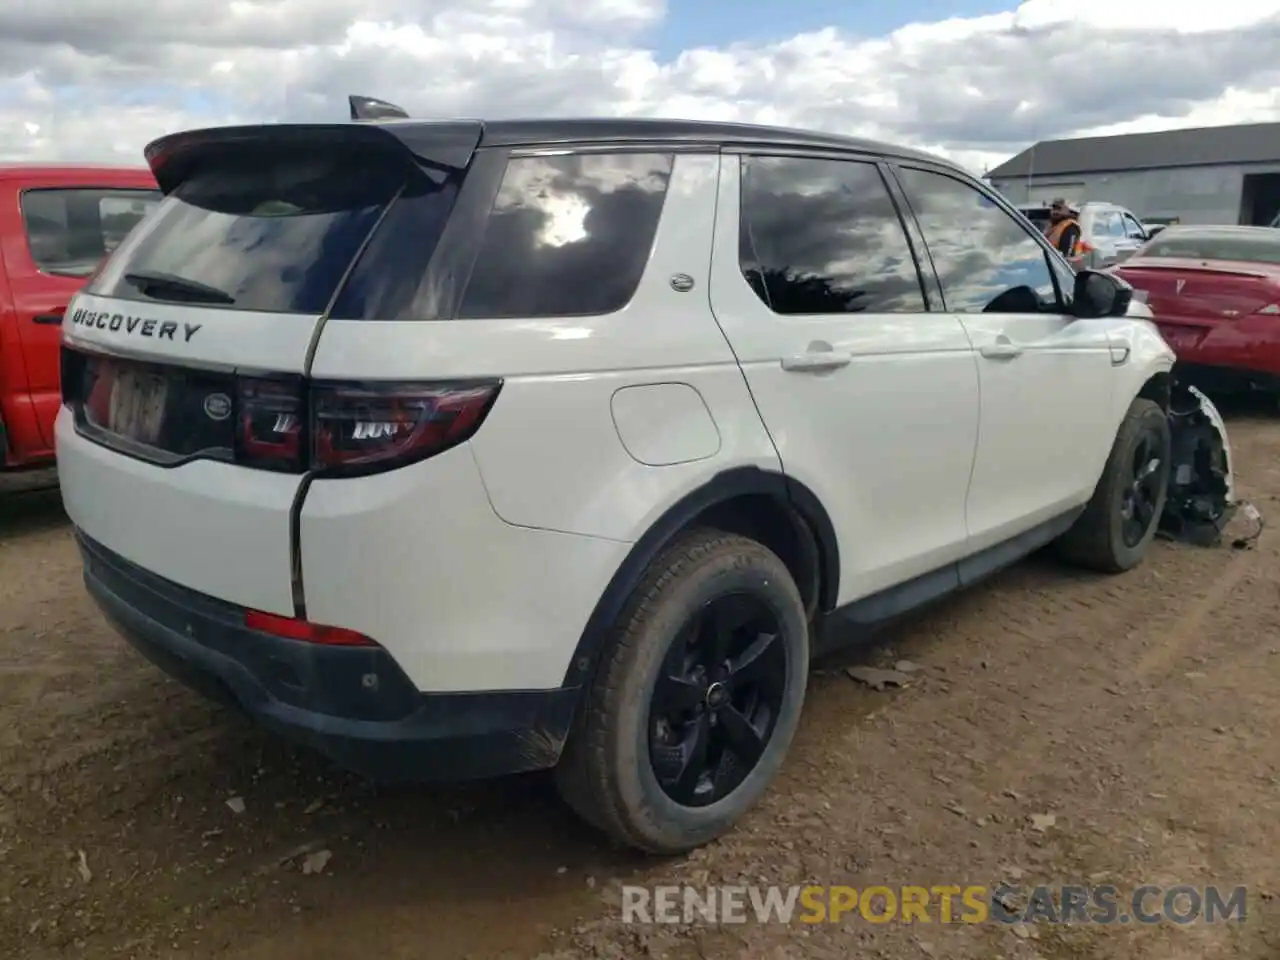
69 231
823 237
568 235
986 260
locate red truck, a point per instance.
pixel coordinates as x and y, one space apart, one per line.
57 223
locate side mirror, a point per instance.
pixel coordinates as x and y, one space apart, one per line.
1100 295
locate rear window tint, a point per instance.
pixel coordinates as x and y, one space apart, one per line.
568 235
69 231
272 232
1207 247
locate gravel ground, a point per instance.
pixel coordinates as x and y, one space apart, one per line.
1058 728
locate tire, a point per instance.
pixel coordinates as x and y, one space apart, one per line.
620 755
1097 540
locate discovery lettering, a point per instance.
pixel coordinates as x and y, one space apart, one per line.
141 326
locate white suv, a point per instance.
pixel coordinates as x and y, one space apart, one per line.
456 449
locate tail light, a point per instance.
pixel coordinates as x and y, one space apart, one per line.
269 428
291 628
344 429
357 428
1084 247
287 423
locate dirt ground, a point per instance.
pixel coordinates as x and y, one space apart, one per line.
1138 711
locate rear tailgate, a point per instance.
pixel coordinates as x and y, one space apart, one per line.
181 441
1191 298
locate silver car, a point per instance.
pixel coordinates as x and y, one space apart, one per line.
1108 233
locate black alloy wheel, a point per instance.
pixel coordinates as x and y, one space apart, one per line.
1141 498
717 699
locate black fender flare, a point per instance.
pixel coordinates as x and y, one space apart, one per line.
727 485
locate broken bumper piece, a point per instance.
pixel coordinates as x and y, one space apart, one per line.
1201 499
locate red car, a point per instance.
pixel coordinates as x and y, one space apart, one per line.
1215 294
57 223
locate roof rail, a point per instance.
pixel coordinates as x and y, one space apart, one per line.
371 110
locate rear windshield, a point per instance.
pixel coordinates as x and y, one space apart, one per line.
69 231
271 232
1204 246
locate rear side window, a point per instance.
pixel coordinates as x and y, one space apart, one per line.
267 231
823 237
69 231
1107 224
568 235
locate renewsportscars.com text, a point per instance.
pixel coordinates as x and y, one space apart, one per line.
950 903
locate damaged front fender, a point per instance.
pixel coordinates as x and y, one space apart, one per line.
1201 498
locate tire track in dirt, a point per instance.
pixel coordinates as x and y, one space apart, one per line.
1187 626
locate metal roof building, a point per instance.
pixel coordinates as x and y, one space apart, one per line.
1225 174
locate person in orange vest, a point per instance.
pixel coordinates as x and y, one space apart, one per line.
1064 230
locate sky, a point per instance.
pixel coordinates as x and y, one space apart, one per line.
973 80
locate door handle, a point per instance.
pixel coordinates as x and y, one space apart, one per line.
816 361
47 318
1002 349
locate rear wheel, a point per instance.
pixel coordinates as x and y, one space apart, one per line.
1120 521
695 704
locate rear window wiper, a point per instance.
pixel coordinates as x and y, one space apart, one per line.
156 284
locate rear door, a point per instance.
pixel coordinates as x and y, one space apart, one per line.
65 229
1045 377
869 390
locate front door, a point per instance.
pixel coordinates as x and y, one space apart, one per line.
66 231
868 390
1046 377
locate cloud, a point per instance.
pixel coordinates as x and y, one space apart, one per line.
97 79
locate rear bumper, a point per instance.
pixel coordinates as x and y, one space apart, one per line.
355 705
1247 348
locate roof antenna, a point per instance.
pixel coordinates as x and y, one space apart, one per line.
369 109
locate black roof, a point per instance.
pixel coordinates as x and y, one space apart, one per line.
695 132
450 143
1195 147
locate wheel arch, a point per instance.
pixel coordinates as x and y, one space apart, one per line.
1159 388
779 511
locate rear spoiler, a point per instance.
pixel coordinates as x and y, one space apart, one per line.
436 146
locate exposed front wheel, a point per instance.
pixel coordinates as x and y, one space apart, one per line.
1120 521
696 701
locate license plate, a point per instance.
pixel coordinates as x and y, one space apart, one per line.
136 408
